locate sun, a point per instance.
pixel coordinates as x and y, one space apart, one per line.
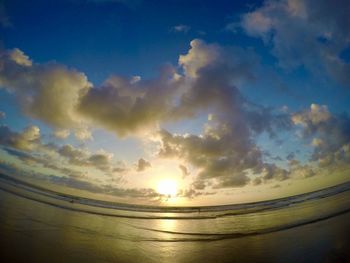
167 187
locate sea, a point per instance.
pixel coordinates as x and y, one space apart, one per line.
41 225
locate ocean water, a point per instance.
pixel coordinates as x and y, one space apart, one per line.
37 225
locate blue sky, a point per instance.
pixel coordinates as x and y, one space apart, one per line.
126 38
227 95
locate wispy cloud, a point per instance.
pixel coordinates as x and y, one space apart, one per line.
181 28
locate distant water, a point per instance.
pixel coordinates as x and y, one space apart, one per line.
38 225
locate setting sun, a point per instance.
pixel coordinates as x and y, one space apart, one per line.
167 187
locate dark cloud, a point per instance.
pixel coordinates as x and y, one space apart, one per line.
19 154
299 170
329 134
79 157
184 170
125 107
272 171
225 151
74 155
26 140
290 156
233 181
257 181
142 165
219 157
192 193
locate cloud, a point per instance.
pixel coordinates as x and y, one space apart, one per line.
257 24
184 170
225 151
257 181
26 140
79 183
272 171
220 155
33 159
74 155
316 115
181 28
329 134
125 106
298 170
233 181
83 134
28 147
61 133
199 56
49 92
101 160
322 25
19 57
142 165
212 75
192 193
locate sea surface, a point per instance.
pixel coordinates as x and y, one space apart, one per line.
39 225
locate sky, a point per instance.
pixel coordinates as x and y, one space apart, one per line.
176 102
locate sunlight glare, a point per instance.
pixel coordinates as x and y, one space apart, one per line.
167 187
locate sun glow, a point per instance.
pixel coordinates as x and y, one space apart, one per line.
167 187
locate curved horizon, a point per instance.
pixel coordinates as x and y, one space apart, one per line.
182 209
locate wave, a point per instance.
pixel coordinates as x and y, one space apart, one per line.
235 235
113 209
